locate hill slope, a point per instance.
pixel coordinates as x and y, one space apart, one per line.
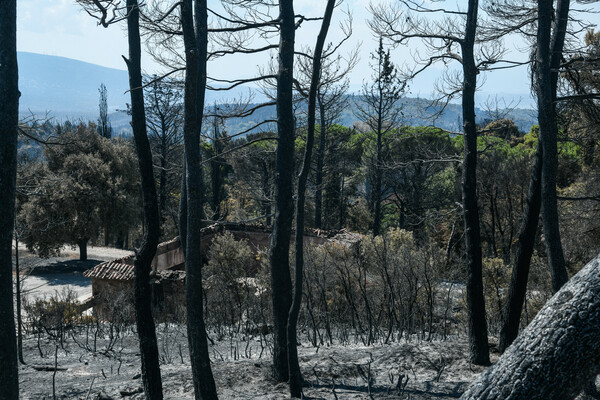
68 88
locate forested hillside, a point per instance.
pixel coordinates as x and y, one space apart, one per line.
302 240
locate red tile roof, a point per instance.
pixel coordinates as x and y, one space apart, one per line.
118 270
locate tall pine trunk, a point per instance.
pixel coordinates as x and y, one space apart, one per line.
377 185
549 52
142 263
18 299
477 325
518 286
522 261
294 365
196 43
281 281
162 199
9 116
319 172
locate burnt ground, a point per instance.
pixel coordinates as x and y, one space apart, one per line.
410 370
415 370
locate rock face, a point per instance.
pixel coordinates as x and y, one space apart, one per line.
557 354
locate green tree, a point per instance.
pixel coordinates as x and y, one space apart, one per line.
84 181
423 159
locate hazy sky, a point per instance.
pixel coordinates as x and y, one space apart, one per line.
61 28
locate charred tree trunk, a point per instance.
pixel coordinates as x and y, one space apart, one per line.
18 298
142 263
281 281
378 179
195 42
478 339
9 119
162 202
319 171
217 172
557 354
518 286
520 273
546 92
294 365
341 204
266 192
183 208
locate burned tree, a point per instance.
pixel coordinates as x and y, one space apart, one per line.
295 376
454 39
194 24
281 281
331 101
151 377
164 119
548 58
549 41
9 117
379 107
557 354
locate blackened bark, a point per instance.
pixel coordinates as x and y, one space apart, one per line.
478 340
520 273
517 289
378 179
546 93
195 42
295 377
266 189
319 171
183 208
557 354
341 205
557 43
9 115
281 281
217 172
162 202
82 244
18 298
142 263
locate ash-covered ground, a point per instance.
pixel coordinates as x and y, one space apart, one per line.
101 360
410 370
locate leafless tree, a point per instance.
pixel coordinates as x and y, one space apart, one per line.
142 291
194 24
9 119
165 122
451 35
544 27
379 107
332 101
295 377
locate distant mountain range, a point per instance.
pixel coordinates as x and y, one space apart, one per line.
68 89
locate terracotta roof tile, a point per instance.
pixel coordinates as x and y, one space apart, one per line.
118 270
